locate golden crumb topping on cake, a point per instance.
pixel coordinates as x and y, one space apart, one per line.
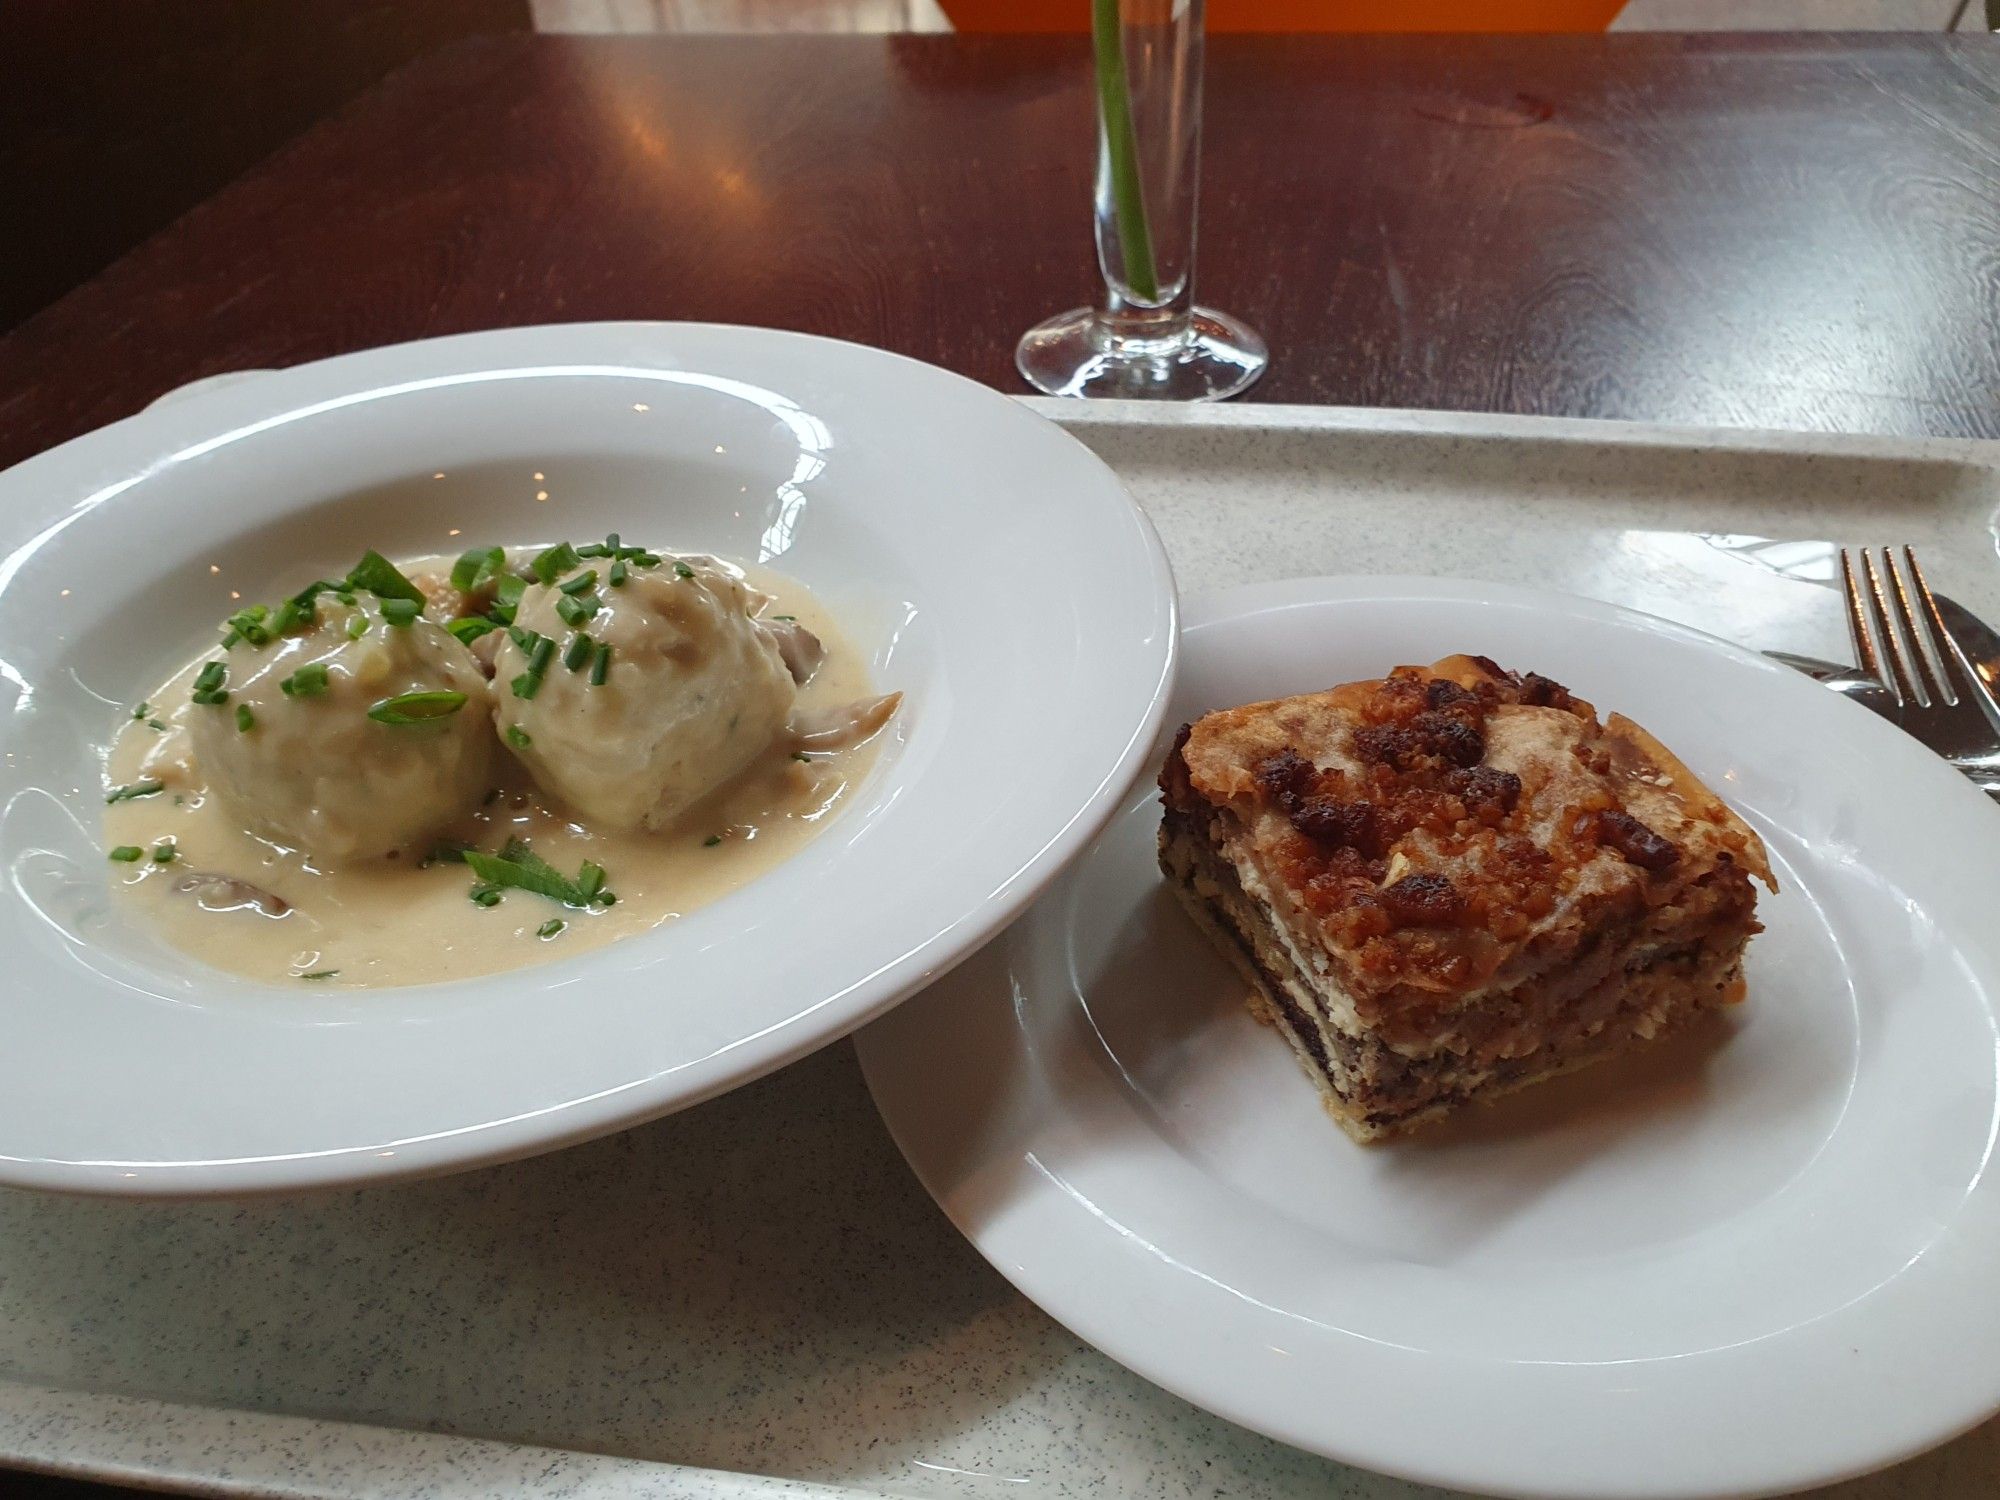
1446 828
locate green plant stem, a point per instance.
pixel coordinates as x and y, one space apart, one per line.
1114 105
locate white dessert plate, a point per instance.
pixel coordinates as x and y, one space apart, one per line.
994 570
1759 1258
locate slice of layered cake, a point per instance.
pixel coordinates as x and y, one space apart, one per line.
1454 882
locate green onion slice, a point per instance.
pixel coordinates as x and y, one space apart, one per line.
417 708
381 578
308 682
476 567
471 628
518 867
550 565
507 597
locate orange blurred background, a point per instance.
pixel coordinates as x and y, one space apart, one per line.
1309 15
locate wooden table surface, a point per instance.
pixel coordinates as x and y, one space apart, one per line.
1739 229
1789 231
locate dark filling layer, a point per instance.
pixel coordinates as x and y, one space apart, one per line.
1660 986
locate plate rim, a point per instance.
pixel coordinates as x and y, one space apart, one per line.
130 447
1109 1336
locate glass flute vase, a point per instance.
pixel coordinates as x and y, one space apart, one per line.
1146 339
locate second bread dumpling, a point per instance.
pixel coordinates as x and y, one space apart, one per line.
633 702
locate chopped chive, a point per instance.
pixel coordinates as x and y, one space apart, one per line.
142 710
577 656
642 557
550 565
485 895
471 628
526 685
507 591
476 567
247 624
245 720
575 610
164 852
541 656
302 609
136 789
308 682
357 627
417 708
156 724
401 612
320 974
618 574
601 667
127 854
604 898
550 928
208 684
380 577
592 550
683 569
522 637
518 737
711 841
519 867
793 618
582 583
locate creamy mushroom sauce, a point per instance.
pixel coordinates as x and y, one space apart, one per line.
400 920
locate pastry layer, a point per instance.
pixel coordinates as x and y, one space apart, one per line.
1638 981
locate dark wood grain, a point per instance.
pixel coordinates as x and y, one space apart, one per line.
118 115
1788 231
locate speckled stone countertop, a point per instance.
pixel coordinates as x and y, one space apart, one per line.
759 1285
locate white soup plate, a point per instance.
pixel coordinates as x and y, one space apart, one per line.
992 569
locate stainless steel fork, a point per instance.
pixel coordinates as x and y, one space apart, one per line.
1902 640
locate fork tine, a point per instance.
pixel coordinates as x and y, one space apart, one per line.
1967 678
1860 626
1908 689
1924 649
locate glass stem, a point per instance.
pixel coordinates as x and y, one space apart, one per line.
1114 103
